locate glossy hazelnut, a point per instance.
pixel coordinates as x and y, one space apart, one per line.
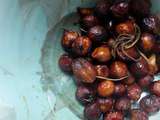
140 8
84 70
97 33
118 69
139 68
85 11
106 88
89 21
125 28
81 46
105 104
102 7
145 81
138 114
123 104
116 115
151 24
85 95
102 70
120 9
92 111
68 38
120 89
155 88
150 104
134 92
102 54
147 42
65 63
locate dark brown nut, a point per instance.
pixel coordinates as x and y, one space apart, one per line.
68 38
123 104
103 7
89 21
140 68
102 70
145 81
85 95
106 88
140 8
97 33
155 88
125 28
81 46
84 70
147 42
156 48
150 104
85 11
65 63
114 116
151 24
92 112
137 114
111 42
118 69
130 80
120 9
134 92
129 55
120 89
102 54
105 104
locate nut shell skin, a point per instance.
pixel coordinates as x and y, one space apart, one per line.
120 89
106 88
114 116
102 54
145 81
137 114
155 88
118 69
102 70
81 46
84 70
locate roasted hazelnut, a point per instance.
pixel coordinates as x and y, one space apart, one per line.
134 92
123 104
140 8
84 70
120 89
68 38
125 28
102 54
114 116
103 7
129 80
65 63
97 33
139 68
129 55
145 81
81 46
150 104
147 42
118 69
151 24
120 9
85 95
106 88
92 111
155 88
89 21
105 104
138 114
85 11
102 70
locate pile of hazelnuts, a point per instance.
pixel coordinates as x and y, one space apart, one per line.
114 58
